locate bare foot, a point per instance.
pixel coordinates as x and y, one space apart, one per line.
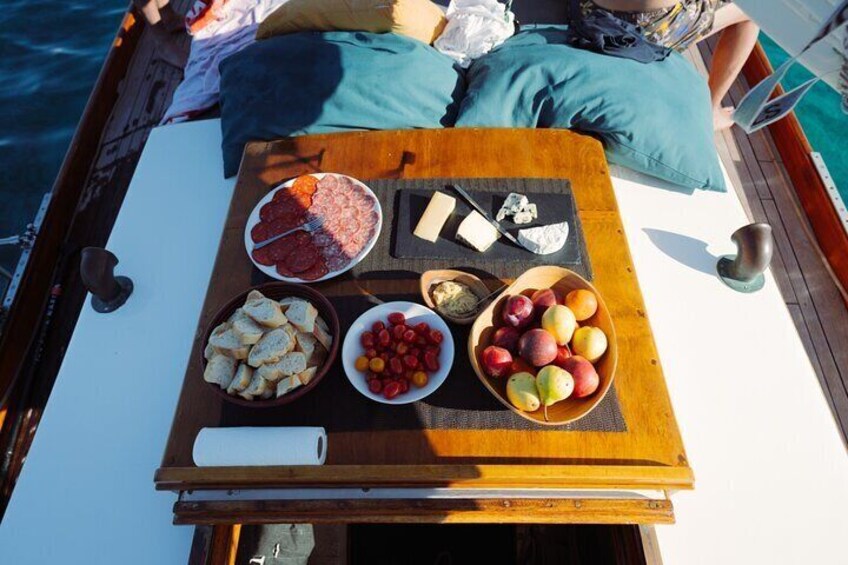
168 49
722 118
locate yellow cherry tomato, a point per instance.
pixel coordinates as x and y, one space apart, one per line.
419 379
377 365
361 363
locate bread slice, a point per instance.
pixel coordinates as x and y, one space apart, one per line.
323 336
220 370
269 392
302 315
322 323
247 330
287 301
228 343
290 364
254 295
306 344
287 385
271 348
306 376
240 382
265 311
209 351
257 387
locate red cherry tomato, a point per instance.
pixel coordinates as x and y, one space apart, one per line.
384 338
415 351
391 390
404 385
434 349
402 348
411 361
371 353
422 328
367 340
435 337
409 336
375 386
398 331
431 362
384 355
377 326
397 318
421 340
396 366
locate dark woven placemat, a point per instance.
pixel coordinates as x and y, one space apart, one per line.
462 402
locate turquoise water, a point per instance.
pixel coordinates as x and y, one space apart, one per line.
820 116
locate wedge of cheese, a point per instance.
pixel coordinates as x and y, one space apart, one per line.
438 211
476 232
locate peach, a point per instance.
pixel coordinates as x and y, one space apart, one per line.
537 347
518 311
506 337
589 342
545 298
559 321
496 361
563 353
582 302
586 379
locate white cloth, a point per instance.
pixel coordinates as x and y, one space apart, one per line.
474 28
231 29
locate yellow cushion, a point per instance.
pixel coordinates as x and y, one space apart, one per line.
420 19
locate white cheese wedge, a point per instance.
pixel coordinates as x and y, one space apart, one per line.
544 240
438 211
476 232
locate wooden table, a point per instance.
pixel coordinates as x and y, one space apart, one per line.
446 475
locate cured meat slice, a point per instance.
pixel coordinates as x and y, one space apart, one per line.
337 261
278 250
301 259
323 238
315 272
259 232
329 183
306 184
263 257
284 271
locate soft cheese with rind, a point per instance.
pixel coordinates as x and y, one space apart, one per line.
544 240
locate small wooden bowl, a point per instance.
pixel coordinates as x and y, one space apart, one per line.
430 279
277 291
563 280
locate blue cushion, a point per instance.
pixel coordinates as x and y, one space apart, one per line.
313 82
655 118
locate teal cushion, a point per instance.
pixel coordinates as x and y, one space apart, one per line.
655 118
313 82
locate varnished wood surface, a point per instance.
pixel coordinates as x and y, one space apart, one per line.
652 442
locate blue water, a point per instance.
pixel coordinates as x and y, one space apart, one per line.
50 54
820 115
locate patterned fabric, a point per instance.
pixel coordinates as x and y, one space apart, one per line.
676 27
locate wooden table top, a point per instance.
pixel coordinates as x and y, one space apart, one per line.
649 455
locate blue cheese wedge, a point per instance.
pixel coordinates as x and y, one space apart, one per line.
476 232
544 240
519 208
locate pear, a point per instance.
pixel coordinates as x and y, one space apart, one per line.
521 391
554 384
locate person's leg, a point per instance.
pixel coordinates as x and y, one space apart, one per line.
167 48
738 38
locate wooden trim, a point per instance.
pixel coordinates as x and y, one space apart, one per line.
794 149
467 476
26 313
520 511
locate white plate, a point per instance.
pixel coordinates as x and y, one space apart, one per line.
253 219
415 313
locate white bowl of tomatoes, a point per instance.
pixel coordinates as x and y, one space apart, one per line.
398 352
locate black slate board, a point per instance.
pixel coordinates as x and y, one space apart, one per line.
553 198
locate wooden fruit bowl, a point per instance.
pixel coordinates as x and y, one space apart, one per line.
564 281
277 291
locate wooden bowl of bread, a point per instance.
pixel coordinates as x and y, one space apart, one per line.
270 345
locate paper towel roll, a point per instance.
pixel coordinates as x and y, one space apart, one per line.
234 447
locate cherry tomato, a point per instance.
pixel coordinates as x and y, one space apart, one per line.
384 338
422 328
367 340
370 353
361 363
435 337
377 327
398 331
409 336
415 351
404 385
391 390
396 366
411 361
431 362
375 386
384 355
397 318
420 379
434 349
370 376
421 340
377 365
402 348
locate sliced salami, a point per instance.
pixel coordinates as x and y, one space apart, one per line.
259 232
301 259
329 183
315 272
284 271
263 257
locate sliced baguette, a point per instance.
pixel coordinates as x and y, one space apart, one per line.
257 387
240 382
321 322
302 315
306 344
209 351
287 385
286 302
228 343
323 336
271 348
306 376
265 312
220 370
254 295
245 328
289 365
